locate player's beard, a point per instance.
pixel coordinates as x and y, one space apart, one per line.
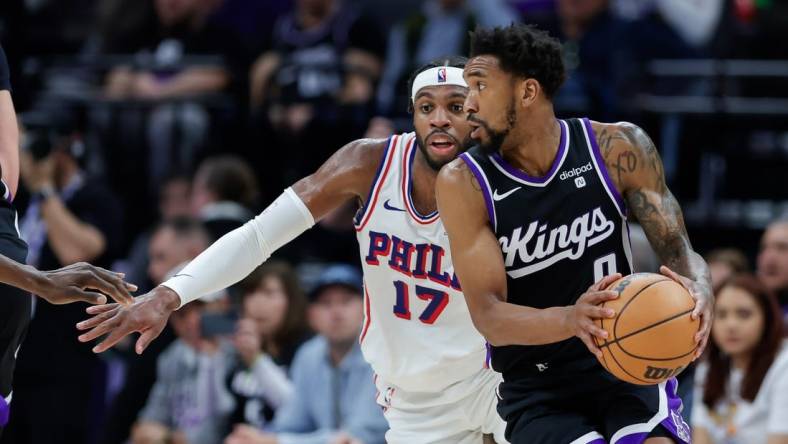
496 137
434 163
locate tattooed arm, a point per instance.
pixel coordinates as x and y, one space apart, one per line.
636 169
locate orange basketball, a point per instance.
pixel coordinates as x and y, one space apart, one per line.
652 336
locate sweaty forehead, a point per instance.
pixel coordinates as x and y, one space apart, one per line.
481 65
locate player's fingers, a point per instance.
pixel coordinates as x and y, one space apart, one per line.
590 344
701 348
598 312
91 297
118 290
100 329
605 282
700 306
676 277
594 330
101 309
108 284
598 297
96 320
114 337
703 331
146 337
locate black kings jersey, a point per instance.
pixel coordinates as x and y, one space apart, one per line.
558 235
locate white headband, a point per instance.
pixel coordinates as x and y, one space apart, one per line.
438 76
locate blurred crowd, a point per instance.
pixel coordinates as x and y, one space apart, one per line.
160 125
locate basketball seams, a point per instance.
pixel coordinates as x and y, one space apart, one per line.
662 322
634 296
613 356
648 327
615 322
614 359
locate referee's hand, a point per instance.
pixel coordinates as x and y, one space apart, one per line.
83 282
147 315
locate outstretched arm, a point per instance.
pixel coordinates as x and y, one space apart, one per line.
636 168
348 173
76 282
479 265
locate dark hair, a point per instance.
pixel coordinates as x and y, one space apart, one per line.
294 327
731 257
762 356
523 51
230 178
452 61
184 226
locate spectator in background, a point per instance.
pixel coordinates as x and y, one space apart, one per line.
438 28
186 61
224 194
314 89
744 384
173 242
724 263
174 202
773 261
183 30
189 402
259 385
334 399
273 299
72 217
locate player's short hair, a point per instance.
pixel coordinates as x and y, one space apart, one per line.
230 178
525 51
451 61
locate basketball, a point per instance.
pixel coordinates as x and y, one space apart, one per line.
652 336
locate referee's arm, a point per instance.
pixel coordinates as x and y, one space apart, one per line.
9 131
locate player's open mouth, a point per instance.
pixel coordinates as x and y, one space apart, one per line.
442 144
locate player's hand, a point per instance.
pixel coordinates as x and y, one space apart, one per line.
704 306
245 434
147 315
83 282
581 316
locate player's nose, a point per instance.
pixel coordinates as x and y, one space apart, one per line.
440 118
471 105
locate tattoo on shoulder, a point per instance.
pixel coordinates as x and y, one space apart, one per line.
639 154
472 177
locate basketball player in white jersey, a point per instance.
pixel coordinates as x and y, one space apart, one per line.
431 364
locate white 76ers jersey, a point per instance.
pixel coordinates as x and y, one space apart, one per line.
417 332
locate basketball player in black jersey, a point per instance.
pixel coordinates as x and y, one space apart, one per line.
536 216
62 286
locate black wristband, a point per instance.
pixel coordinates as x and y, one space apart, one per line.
5 74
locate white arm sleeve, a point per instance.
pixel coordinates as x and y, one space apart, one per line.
239 252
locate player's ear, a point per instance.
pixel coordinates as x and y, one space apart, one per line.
527 91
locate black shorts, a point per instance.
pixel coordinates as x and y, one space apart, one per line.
580 402
15 306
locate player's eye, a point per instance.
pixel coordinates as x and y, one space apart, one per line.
425 108
481 86
457 108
